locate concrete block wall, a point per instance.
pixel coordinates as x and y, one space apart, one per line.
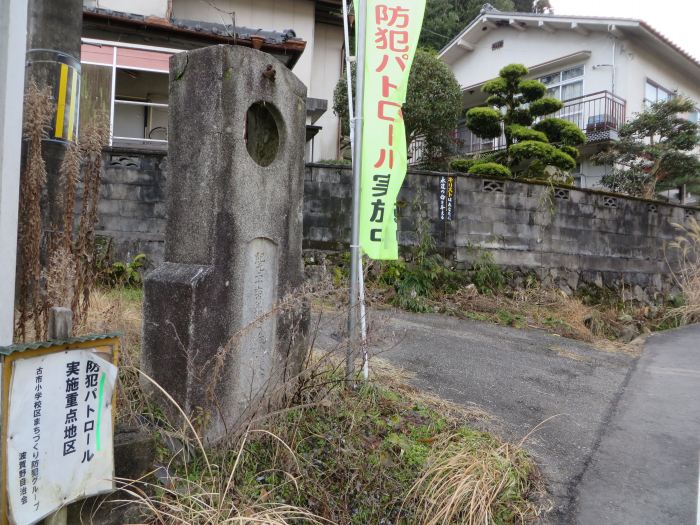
132 202
575 235
568 235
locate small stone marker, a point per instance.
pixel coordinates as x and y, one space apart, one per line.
212 337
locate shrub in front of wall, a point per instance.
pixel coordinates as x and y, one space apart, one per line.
490 169
462 165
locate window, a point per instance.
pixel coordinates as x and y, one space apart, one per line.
130 83
654 93
564 84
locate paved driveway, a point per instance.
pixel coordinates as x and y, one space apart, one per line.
589 401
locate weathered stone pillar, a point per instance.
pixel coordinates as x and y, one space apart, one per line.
212 336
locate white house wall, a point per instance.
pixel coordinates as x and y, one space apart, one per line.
327 55
157 8
639 65
272 15
533 47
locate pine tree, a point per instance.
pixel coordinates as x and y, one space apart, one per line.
655 151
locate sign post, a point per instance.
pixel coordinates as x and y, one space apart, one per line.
386 41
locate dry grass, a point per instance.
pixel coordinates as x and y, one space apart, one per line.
120 311
38 110
687 274
473 485
331 455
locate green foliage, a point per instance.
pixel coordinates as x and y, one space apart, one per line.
570 151
445 18
497 86
125 274
513 74
122 274
655 151
426 275
433 104
486 275
354 455
486 120
563 161
521 133
532 150
490 169
462 165
543 150
532 90
545 106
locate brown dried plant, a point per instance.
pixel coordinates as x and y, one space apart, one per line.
92 141
38 112
687 271
68 274
69 174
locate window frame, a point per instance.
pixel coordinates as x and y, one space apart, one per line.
658 87
560 83
114 65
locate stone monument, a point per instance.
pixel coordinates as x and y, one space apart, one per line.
213 335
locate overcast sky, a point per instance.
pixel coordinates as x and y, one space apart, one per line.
679 20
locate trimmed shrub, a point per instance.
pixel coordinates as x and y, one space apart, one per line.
570 151
521 133
497 86
462 165
487 120
545 106
532 90
513 72
490 169
531 149
561 160
560 130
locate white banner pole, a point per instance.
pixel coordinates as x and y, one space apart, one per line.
357 161
351 114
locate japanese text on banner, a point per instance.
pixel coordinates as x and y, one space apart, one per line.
393 28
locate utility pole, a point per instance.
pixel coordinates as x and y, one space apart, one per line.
13 24
54 28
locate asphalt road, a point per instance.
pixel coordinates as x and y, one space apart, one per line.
645 467
618 441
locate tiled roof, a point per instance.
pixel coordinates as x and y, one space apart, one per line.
283 42
489 11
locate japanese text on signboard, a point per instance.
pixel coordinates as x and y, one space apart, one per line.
392 35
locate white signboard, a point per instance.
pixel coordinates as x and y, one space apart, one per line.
59 435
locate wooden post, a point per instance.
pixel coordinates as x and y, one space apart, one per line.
60 327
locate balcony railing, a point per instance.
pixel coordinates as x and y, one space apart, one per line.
599 115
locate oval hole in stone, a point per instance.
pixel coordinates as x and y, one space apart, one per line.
262 137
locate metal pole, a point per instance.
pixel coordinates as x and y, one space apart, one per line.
351 114
356 172
13 38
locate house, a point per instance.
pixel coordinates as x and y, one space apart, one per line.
603 69
127 44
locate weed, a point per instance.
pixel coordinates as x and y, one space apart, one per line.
686 273
486 275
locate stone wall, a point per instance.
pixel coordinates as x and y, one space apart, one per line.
565 235
132 205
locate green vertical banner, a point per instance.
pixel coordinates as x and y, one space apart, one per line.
393 29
